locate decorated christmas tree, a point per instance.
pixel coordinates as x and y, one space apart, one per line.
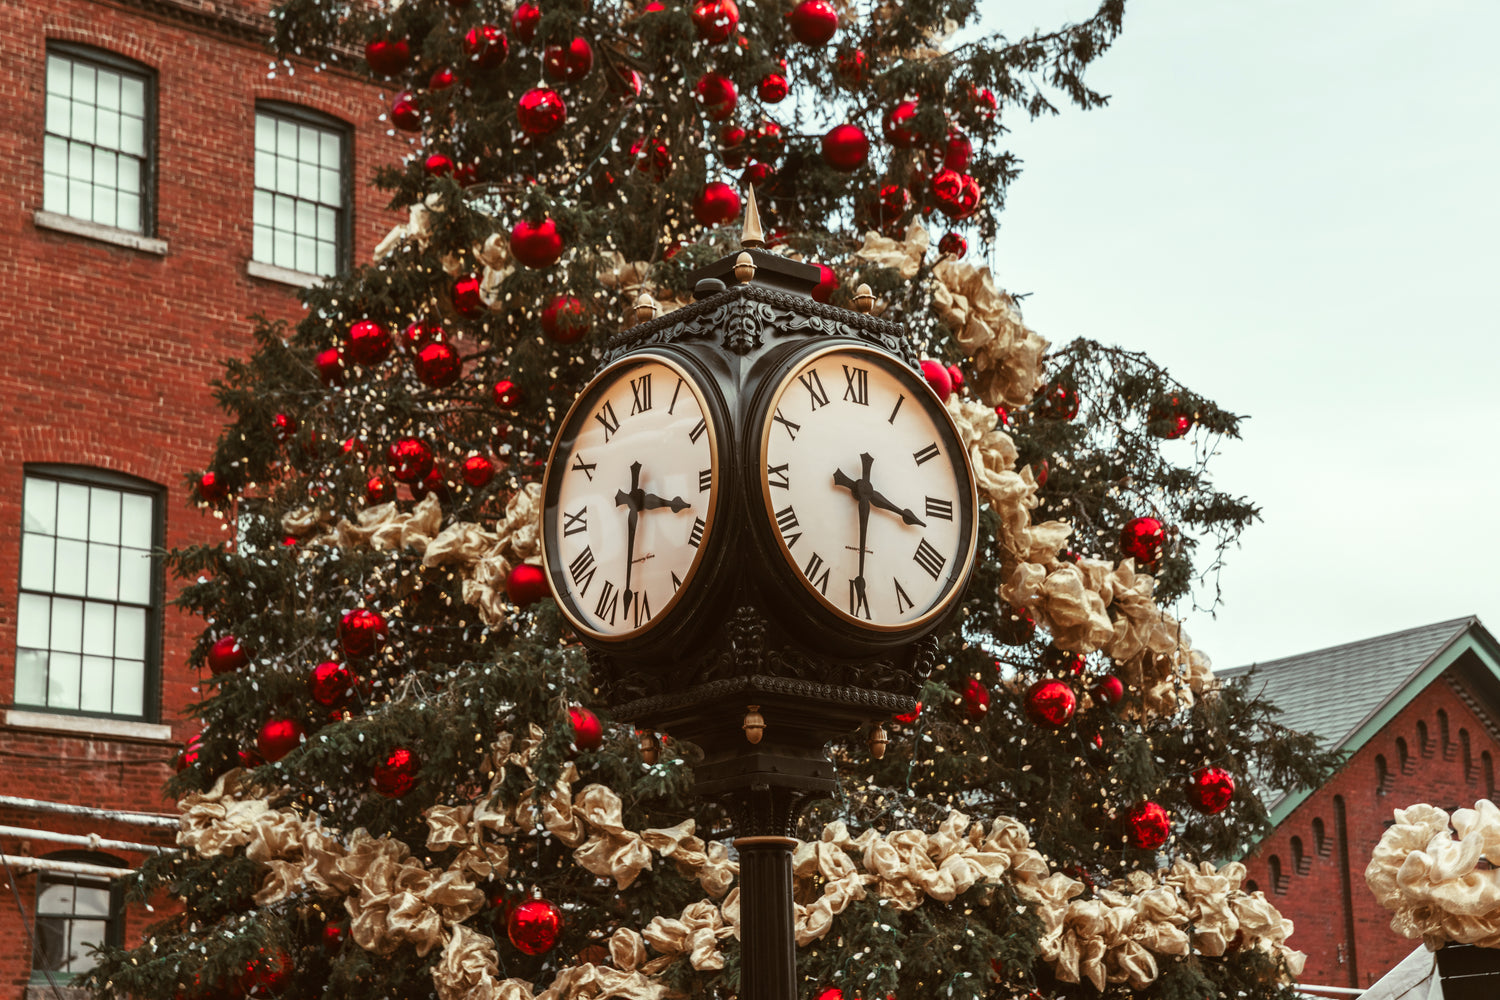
408 783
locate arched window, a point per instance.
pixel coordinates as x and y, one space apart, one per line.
1445 740
73 913
1301 863
1424 739
1321 843
1487 763
1278 878
1470 773
1403 755
1382 775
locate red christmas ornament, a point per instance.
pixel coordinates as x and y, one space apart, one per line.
626 82
1211 789
958 151
1016 626
975 700
212 487
1142 539
1148 826
524 21
957 195
410 460
957 375
526 584
1062 661
852 67
1057 402
487 46
588 731
329 682
285 425
379 490
832 993
773 88
541 111
568 62
361 632
757 174
226 656
369 342
1168 419
431 484
1003 420
767 142
909 717
438 165
937 376
717 94
438 365
441 79
330 365
388 56
899 125
533 926
953 243
846 147
715 20
983 102
1050 703
478 470
405 114
508 395
333 937
652 158
565 320
814 22
278 737
267 974
397 774
419 334
191 751
829 281
467 301
716 204
1109 691
536 244
732 146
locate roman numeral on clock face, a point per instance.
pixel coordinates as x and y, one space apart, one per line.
675 390
705 480
640 389
903 600
698 430
575 523
811 572
587 468
927 454
609 603
642 613
695 537
930 559
777 476
791 428
814 387
582 568
608 420
786 520
942 509
859 600
857 385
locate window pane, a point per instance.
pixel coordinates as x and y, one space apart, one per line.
307 180
104 169
54 193
91 901
72 510
31 677
286 138
286 249
133 96
262 248
307 255
83 82
109 90
98 629
86 934
130 174
265 170
40 505
262 215
104 515
327 225
307 144
133 136
36 562
97 686
286 175
31 621
307 214
83 122
59 111
107 128
59 76
327 264
129 213
265 134
130 688
135 576
329 189
286 214
80 199
104 571
71 568
62 680
67 625
135 520
332 154
104 205
130 633
55 897
80 162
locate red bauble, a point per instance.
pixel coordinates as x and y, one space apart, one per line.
533 926
226 656
441 79
369 342
757 174
526 584
536 244
267 974
508 395
397 774
588 731
909 717
957 375
715 20
361 632
898 125
1003 420
975 700
652 158
478 470
285 425
852 67
1148 826
333 937
716 204
958 151
626 82
410 460
1057 402
1062 661
329 682
405 114
524 21
379 490
889 205
1050 703
431 484
1109 691
1142 539
814 22
846 147
773 88
832 993
438 365
418 335
330 365
767 142
565 320
278 737
953 243
1211 790
1168 419
540 111
717 94
732 148
438 165
467 301
213 487
984 104
957 195
188 756
487 46
568 62
388 56
828 281
1016 626
937 376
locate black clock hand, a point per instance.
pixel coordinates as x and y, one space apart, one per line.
630 500
654 502
861 491
906 515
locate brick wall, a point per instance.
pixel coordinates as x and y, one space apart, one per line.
1418 757
108 350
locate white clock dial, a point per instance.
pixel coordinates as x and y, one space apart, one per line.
630 496
868 490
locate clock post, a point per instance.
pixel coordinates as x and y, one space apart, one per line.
785 539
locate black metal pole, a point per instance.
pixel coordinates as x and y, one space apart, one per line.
768 944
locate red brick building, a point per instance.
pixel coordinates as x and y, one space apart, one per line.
1417 713
160 189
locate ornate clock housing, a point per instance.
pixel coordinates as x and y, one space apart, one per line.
631 498
867 494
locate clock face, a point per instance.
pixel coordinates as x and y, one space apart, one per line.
868 491
630 497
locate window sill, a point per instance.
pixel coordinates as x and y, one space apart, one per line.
282 275
88 727
104 234
40 990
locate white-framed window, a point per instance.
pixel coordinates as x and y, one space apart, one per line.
88 619
97 156
302 218
75 913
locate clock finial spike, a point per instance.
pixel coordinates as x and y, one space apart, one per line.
752 235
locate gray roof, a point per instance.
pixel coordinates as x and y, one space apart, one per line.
1331 692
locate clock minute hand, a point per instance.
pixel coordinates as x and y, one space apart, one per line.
906 514
629 500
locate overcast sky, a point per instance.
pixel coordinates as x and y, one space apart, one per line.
1293 206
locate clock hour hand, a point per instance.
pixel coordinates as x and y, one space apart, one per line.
906 515
654 502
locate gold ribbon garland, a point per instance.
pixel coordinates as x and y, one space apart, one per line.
1426 871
